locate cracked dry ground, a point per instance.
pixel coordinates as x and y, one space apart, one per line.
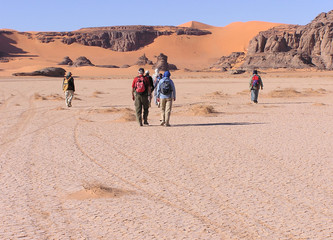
245 172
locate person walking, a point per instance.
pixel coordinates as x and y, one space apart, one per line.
151 84
166 94
141 95
255 84
156 74
68 88
157 80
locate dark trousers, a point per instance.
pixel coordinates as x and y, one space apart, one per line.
141 101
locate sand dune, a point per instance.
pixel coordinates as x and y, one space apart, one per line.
195 24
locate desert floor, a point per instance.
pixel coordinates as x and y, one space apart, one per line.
225 169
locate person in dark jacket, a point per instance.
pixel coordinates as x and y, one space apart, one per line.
68 88
151 82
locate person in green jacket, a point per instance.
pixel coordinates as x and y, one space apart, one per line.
255 84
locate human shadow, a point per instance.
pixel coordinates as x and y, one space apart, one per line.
283 103
215 124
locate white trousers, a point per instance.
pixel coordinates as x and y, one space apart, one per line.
69 94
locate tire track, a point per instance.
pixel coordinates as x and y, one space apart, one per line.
216 227
40 222
43 221
237 184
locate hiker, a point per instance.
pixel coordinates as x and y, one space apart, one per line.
68 88
166 93
155 75
157 80
151 84
254 85
141 95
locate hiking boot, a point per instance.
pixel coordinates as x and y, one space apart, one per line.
162 123
167 125
146 123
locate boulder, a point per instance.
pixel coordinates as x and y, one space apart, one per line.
162 63
143 60
66 61
107 66
48 72
125 66
82 61
226 63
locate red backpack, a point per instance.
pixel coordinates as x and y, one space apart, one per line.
255 81
140 85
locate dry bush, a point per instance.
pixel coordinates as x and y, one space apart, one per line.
96 93
37 96
291 92
244 92
127 117
282 93
202 110
96 190
216 95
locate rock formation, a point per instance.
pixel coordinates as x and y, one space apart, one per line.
82 61
48 72
118 38
226 63
107 66
125 66
66 61
294 46
162 63
143 60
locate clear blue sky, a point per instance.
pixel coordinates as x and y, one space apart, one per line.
68 15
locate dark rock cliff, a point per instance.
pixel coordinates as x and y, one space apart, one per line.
118 38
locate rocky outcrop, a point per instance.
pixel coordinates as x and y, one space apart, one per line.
191 31
107 66
118 38
162 63
226 63
48 72
143 60
66 61
294 46
125 66
82 61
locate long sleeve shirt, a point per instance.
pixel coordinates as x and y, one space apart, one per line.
161 95
253 87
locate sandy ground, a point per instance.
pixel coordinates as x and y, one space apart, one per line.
225 169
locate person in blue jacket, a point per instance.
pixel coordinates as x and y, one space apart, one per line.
166 94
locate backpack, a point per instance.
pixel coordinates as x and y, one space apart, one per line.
65 84
166 87
140 85
255 81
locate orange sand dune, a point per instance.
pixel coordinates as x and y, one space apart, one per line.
198 25
193 52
